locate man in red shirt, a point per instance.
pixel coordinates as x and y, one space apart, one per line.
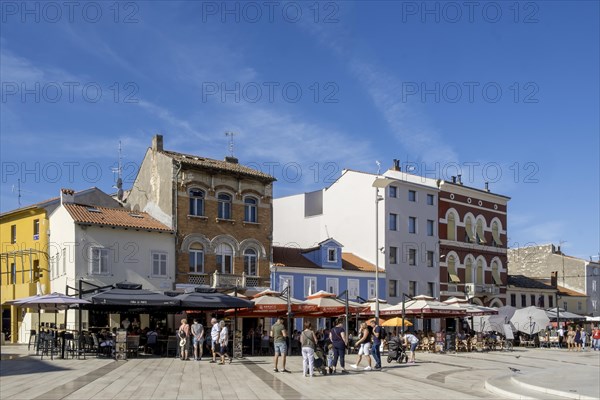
596 338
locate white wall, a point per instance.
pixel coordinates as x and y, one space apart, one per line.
349 217
290 228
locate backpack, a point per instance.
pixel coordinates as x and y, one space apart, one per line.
382 333
181 334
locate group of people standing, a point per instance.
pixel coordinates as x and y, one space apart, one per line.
191 338
372 335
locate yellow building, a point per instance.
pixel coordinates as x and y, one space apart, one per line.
23 263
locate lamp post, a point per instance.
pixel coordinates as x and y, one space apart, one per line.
404 297
378 183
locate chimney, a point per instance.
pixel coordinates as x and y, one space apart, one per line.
157 143
232 160
554 279
67 196
487 186
453 179
459 179
396 166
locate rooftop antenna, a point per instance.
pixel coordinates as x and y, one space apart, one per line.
119 172
231 144
378 166
17 189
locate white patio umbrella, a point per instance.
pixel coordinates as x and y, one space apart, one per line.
530 320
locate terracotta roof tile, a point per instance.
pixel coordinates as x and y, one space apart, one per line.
218 165
114 217
352 262
522 281
291 257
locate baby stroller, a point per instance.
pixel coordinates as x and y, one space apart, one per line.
396 351
320 363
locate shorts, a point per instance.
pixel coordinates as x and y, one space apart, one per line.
365 349
214 345
280 348
197 341
223 349
413 346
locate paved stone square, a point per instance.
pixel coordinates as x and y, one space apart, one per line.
543 374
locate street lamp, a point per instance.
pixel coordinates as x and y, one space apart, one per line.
404 297
378 183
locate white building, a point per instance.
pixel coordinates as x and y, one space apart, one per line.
103 246
407 228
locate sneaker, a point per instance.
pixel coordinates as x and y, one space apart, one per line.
367 368
275 370
286 371
354 366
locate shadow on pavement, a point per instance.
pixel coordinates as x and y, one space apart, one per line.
13 364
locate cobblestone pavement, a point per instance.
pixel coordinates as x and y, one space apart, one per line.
543 374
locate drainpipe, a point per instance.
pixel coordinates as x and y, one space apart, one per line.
175 201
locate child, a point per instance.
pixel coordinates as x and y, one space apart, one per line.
330 358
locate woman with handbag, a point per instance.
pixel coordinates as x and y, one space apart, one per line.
308 339
184 336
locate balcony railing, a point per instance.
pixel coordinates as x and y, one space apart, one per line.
223 280
481 289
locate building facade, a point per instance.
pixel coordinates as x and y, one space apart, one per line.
406 245
522 292
25 259
103 246
472 243
221 212
573 274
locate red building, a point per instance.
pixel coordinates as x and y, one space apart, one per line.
473 243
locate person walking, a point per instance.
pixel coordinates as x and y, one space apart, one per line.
308 340
223 343
578 338
570 338
412 341
340 341
584 337
279 335
198 337
214 336
375 349
596 338
184 338
364 345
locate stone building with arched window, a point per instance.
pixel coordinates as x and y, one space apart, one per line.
221 211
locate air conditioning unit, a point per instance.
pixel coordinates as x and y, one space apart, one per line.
470 288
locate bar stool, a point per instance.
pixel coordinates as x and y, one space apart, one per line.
32 339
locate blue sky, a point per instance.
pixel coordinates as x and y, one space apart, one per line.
506 92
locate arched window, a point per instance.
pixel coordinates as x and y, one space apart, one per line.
224 258
451 227
469 270
250 209
250 262
224 211
479 232
196 252
496 234
479 275
469 237
196 201
496 273
452 275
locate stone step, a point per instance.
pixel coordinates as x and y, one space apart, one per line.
506 387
